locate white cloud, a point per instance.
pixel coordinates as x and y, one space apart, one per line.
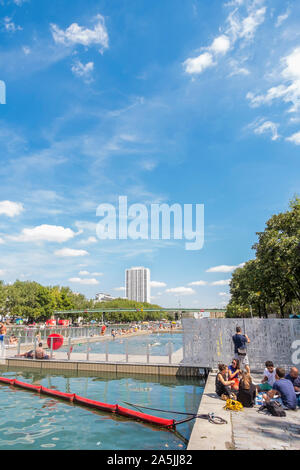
157 284
76 34
78 280
49 233
89 241
250 24
10 25
69 252
220 45
87 273
224 294
11 209
20 2
295 138
26 50
1 241
289 90
181 291
198 283
83 70
282 18
224 282
239 28
224 268
236 69
198 64
119 289
268 126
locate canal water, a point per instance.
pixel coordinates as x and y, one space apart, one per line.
32 421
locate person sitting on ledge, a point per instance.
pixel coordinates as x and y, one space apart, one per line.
234 372
285 388
13 339
223 385
269 378
294 377
27 355
247 391
40 353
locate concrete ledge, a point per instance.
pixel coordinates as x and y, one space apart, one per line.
208 436
115 367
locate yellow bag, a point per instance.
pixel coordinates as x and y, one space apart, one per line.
233 405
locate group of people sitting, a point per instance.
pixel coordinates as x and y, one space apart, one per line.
123 331
233 383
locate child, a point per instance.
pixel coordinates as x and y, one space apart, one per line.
269 378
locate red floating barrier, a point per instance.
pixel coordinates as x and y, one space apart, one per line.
34 388
5 380
57 394
169 423
96 404
58 341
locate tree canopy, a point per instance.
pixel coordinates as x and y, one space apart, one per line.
270 283
37 303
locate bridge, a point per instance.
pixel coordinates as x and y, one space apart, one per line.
215 312
107 310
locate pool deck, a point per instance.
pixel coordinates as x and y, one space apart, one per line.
116 363
245 430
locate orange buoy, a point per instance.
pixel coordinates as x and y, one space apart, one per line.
57 341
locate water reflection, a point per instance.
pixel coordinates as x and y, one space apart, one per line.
32 421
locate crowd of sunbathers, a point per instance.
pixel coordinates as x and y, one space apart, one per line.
235 381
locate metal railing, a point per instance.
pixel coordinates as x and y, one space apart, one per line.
74 351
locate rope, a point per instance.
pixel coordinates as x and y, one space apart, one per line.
210 416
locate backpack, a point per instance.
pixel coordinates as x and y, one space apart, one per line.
274 408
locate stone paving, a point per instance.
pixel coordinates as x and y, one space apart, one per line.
245 430
256 431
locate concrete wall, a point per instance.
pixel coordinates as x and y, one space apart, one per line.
207 342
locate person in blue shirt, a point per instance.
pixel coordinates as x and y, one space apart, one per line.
240 352
294 377
285 389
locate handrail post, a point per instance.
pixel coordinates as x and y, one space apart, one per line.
69 348
148 352
51 353
106 351
88 350
34 348
19 345
170 352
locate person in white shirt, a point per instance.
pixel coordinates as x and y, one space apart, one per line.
269 378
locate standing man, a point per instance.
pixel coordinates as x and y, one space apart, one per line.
240 350
3 331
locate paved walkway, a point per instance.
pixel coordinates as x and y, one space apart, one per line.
245 430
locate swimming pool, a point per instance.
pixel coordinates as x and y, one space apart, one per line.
158 344
30 421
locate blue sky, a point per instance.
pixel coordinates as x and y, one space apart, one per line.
165 102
